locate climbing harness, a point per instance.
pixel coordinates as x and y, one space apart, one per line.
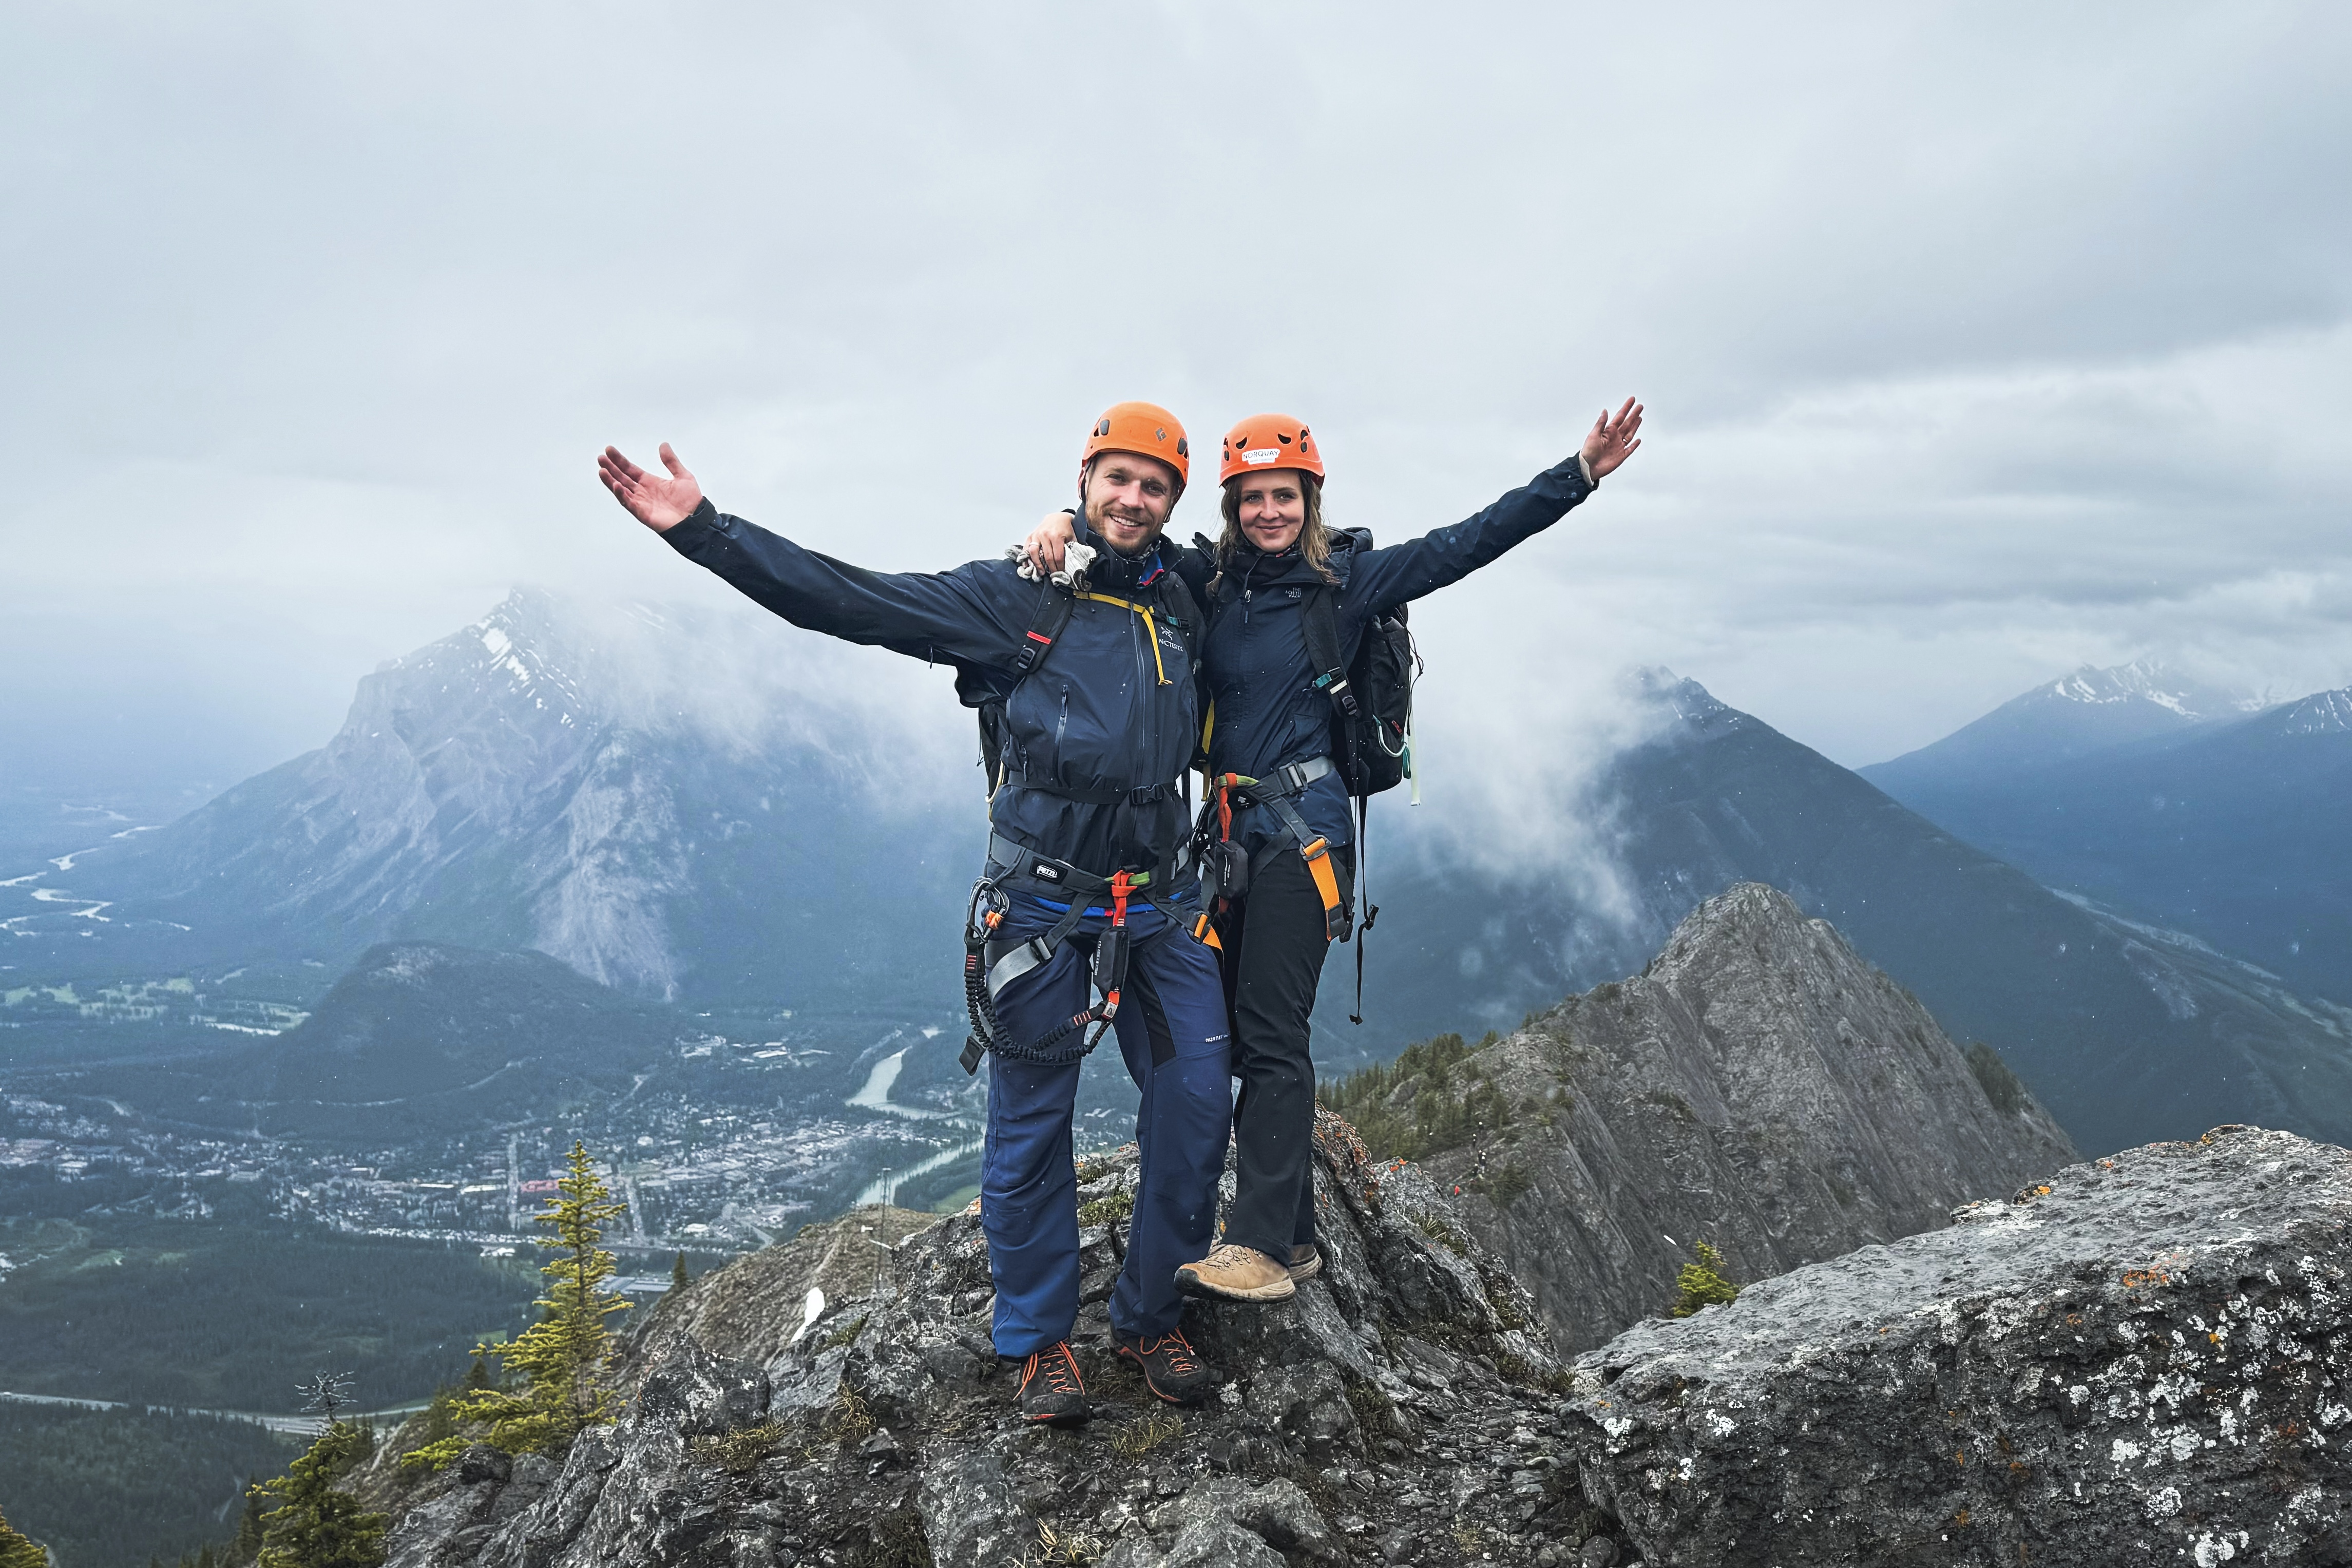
1066 1043
1227 870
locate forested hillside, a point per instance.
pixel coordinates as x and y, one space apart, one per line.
231 1316
110 1489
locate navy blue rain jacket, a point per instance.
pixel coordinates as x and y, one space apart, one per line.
1260 678
1094 717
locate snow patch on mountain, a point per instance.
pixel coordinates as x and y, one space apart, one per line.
2321 714
2149 680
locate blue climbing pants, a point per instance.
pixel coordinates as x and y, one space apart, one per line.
1172 1029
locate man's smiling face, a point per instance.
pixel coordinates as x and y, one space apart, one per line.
1128 498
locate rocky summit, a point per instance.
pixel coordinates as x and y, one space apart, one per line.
1759 1086
1400 1409
2145 1359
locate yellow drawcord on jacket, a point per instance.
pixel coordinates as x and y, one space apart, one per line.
1149 629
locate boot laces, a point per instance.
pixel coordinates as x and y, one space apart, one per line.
1060 1367
1176 1348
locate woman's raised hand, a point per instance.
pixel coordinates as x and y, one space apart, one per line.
1046 541
661 504
1612 440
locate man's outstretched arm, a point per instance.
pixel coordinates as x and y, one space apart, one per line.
967 615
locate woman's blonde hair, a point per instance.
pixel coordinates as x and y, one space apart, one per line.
1314 540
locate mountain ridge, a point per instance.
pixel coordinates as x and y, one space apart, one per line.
2230 830
2122 1034
1756 1084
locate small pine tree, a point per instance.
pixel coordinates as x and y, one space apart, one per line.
1703 1283
478 1374
314 1525
248 1544
19 1552
563 1355
677 1272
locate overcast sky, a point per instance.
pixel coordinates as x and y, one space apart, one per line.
1979 342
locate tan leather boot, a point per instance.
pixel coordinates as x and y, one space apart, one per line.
1235 1273
1306 1262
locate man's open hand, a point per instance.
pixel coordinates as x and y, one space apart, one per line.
661 504
1610 442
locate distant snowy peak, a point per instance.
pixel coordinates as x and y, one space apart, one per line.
1672 697
2321 714
2146 680
514 658
517 638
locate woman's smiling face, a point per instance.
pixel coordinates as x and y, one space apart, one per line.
1272 508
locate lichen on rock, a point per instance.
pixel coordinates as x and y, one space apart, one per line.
2146 1358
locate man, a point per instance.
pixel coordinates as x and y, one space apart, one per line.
1091 704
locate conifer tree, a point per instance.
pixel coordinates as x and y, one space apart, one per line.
1703 1283
19 1552
677 1272
248 1544
478 1374
562 1357
314 1525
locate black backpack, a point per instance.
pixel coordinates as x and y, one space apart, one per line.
1371 698
1371 723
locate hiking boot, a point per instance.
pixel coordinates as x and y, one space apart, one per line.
1169 1368
1236 1273
1306 1263
1052 1392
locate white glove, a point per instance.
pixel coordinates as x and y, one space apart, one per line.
1075 559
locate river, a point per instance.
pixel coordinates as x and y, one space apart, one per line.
876 1096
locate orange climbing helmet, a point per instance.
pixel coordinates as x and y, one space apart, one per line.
1146 429
1270 441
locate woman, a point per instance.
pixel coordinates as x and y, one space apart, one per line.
1270 723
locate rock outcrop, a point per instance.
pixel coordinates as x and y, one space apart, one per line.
1760 1086
1400 1409
2145 1359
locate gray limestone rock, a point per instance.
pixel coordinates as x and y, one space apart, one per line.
971 1514
1760 1086
2146 1358
1220 1543
746 1440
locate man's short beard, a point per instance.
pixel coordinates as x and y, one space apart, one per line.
1094 516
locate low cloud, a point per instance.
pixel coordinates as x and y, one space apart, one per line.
1967 364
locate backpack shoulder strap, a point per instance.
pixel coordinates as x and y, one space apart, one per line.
1045 624
1177 603
1321 625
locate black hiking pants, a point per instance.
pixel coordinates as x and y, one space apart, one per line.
1274 949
